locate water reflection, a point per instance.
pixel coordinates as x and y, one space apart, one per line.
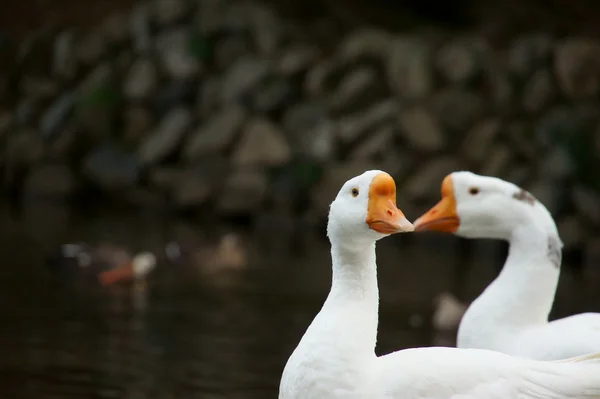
184 334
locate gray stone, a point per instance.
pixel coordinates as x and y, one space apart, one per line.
64 63
111 168
426 182
38 88
167 12
311 130
140 28
365 42
230 49
378 143
572 232
24 147
244 191
577 68
166 136
91 47
547 192
209 96
216 134
420 129
557 164
267 30
141 81
317 77
480 139
458 109
296 59
353 126
539 91
116 28
262 144
57 114
26 111
100 76
272 95
50 181
173 94
586 203
519 134
498 161
353 88
242 77
529 52
409 67
172 47
138 122
460 60
501 89
6 121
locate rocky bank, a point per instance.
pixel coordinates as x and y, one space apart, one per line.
226 107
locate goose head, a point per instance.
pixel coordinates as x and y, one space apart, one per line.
365 210
476 206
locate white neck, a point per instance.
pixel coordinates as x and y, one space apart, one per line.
354 297
338 346
523 293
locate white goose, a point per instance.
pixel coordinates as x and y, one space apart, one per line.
511 315
336 356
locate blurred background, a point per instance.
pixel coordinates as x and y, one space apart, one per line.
166 167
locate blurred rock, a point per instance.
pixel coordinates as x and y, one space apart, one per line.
272 95
480 139
230 49
91 47
409 67
116 29
166 136
243 192
586 203
57 114
577 68
427 180
458 109
138 122
353 88
420 129
366 42
50 182
571 231
498 161
295 59
352 127
167 12
112 168
242 77
176 58
539 92
460 60
376 144
140 28
172 95
545 191
141 80
216 134
311 130
262 143
529 52
64 63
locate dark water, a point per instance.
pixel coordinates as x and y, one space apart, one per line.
185 335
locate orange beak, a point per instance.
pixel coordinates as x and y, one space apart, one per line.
443 216
383 215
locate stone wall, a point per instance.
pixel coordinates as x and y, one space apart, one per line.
226 107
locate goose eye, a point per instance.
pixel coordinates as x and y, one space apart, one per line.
474 191
355 192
